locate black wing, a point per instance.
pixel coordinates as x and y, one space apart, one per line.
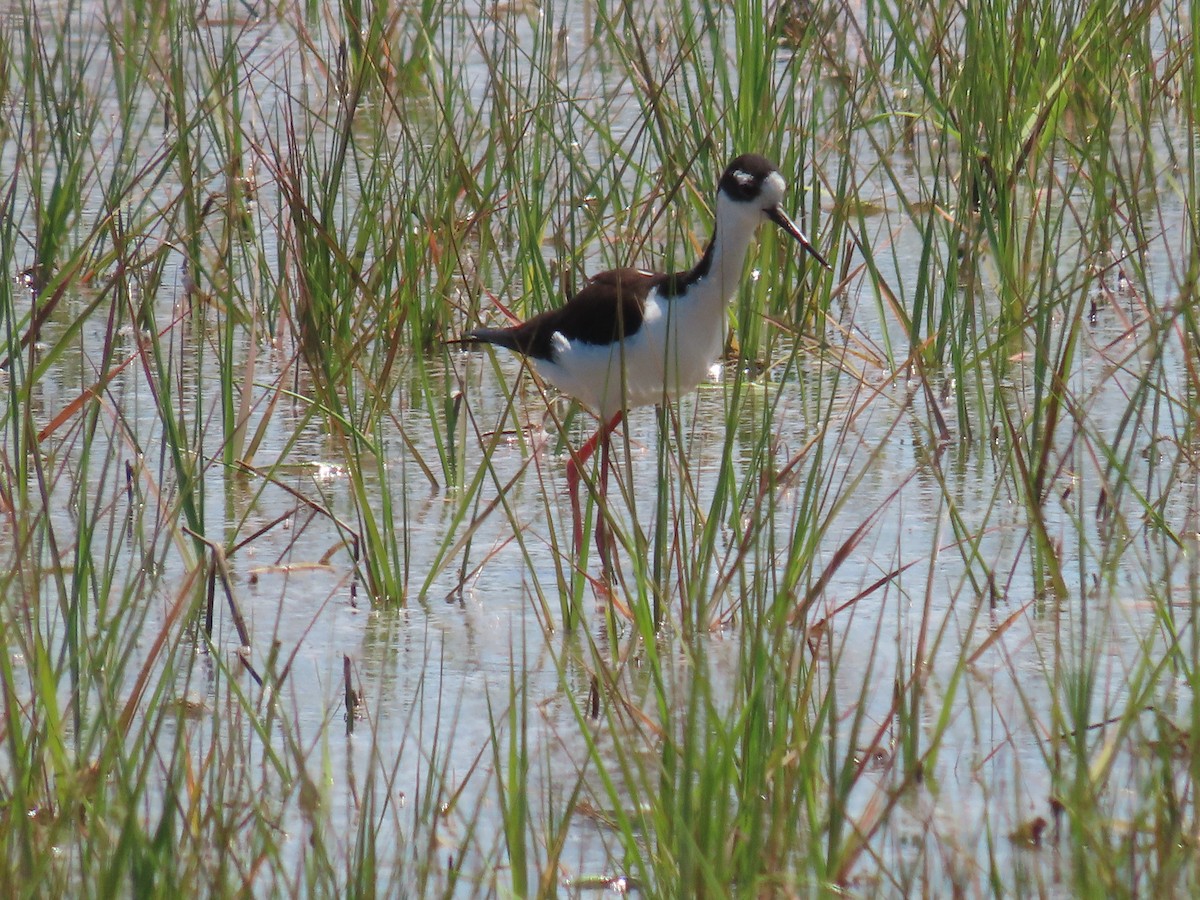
609 307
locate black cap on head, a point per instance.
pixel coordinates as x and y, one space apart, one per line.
743 178
743 181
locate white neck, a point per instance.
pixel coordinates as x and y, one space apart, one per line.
734 230
735 227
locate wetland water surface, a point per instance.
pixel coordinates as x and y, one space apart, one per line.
903 596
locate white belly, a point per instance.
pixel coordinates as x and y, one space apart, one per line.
668 356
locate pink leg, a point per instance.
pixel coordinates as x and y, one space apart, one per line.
575 464
602 506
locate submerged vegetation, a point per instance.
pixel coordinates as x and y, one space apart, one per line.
904 601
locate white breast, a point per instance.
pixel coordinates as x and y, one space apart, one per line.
669 355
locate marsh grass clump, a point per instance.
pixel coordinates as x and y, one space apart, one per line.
903 601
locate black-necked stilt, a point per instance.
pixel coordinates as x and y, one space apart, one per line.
633 338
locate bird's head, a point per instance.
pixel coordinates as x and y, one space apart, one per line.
752 184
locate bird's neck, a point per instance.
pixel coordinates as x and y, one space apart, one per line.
714 279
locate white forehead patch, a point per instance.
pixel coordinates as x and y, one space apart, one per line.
773 188
741 176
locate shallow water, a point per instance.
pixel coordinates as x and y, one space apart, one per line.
437 675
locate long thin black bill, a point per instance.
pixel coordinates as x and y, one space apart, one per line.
780 218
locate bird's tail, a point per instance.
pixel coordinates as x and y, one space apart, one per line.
501 337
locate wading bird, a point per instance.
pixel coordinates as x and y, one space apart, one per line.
634 338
